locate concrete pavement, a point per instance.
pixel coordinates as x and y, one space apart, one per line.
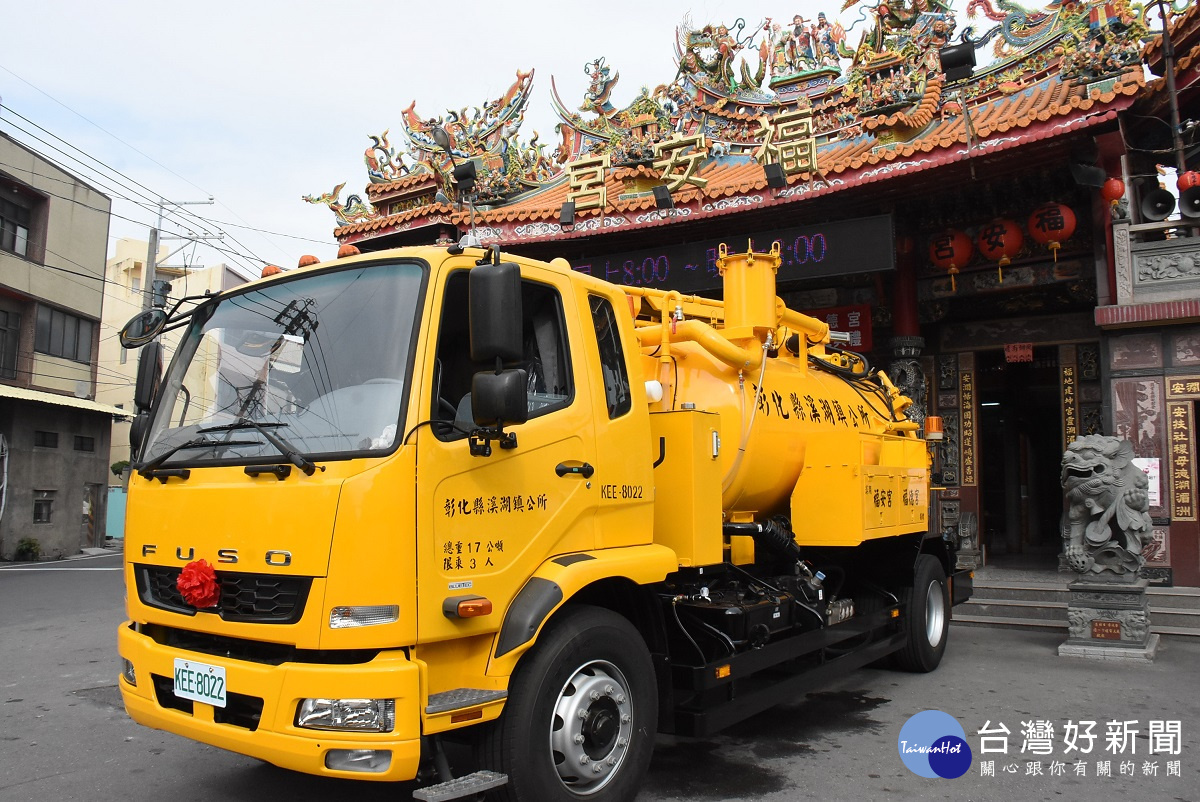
63 734
840 741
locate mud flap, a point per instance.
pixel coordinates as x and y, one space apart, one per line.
962 585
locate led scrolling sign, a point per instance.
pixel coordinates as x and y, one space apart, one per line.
861 245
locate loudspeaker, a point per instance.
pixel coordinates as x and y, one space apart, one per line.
775 177
1157 205
662 198
958 61
566 215
1189 203
1084 169
464 176
1088 175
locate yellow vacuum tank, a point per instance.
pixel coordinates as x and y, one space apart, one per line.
804 430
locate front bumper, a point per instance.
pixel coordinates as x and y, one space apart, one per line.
271 734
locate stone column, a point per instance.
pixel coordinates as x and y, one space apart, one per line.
906 344
1104 529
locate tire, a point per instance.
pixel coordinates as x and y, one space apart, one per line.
585 695
928 616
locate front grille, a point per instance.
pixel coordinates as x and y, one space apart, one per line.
240 710
256 598
262 652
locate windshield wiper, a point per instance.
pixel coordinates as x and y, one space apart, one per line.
146 469
285 448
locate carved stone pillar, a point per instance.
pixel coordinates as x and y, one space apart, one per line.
905 372
1122 262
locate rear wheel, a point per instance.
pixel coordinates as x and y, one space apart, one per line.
928 611
581 713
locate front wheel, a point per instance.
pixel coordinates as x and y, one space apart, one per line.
928 614
581 714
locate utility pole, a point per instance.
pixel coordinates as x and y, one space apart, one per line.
1168 51
152 251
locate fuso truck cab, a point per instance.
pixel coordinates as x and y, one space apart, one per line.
434 493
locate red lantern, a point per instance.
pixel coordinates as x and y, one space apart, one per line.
1052 224
1001 240
950 250
1187 180
1113 190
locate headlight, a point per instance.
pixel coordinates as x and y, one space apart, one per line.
346 617
355 715
128 672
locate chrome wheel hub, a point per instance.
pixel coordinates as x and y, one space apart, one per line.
592 727
935 614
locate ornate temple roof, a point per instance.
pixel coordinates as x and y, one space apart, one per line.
799 98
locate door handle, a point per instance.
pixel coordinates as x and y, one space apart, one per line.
574 468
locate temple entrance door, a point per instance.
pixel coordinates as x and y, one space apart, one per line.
1020 453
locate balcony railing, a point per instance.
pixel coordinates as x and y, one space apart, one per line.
1156 261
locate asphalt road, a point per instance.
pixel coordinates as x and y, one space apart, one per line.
65 736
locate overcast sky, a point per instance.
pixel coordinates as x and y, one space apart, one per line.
259 102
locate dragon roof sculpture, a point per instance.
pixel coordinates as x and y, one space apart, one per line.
873 83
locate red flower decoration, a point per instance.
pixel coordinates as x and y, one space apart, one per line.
198 584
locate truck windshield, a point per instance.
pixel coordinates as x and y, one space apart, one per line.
317 366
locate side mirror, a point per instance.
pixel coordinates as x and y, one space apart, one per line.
149 374
137 433
143 327
495 293
498 399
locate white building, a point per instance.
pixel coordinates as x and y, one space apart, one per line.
123 298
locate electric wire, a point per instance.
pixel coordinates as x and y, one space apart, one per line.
45 375
174 213
122 181
182 210
139 152
226 251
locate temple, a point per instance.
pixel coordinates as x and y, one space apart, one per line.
996 204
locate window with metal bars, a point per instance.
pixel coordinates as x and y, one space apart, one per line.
43 506
64 335
14 226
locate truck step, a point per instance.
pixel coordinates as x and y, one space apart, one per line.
460 787
460 698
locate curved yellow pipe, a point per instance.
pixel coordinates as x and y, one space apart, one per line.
707 338
647 292
817 331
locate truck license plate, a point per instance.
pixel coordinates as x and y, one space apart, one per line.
200 682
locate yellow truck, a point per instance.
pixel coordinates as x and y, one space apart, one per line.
441 493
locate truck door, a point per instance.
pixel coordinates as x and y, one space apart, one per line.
485 523
623 475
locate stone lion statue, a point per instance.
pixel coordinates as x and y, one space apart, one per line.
1107 520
